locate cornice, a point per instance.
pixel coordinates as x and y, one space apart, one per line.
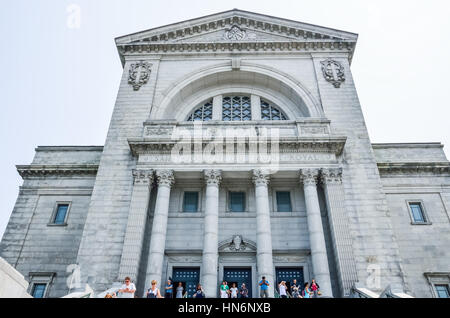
414 168
333 144
320 46
40 171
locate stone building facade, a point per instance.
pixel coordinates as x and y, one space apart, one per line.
328 205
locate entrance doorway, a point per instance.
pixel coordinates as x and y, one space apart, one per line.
239 276
189 278
288 274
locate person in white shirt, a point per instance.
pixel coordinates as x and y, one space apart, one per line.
128 289
282 288
234 291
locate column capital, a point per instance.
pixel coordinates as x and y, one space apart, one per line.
331 175
213 177
261 177
144 177
165 178
309 176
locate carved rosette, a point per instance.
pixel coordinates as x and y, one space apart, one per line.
143 177
139 74
235 34
334 72
309 176
213 177
261 177
331 176
165 178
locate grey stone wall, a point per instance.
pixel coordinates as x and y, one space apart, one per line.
30 243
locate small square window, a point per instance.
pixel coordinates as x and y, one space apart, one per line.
284 202
39 290
61 214
190 202
237 201
417 212
442 291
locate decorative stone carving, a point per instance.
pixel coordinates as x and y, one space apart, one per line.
158 131
143 177
235 34
213 177
261 177
332 176
333 72
309 176
165 178
139 74
237 244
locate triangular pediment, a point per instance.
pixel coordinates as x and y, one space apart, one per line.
236 26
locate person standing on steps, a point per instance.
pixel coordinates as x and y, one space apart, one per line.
153 292
264 284
128 289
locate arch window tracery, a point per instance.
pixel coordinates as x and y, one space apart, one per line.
237 108
203 113
270 112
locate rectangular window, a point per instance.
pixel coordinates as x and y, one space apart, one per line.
190 202
417 213
284 202
442 291
237 201
61 214
38 290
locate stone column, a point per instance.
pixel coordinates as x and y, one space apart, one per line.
321 270
165 181
137 219
339 226
211 234
263 231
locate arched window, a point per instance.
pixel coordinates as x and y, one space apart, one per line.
203 113
236 108
269 112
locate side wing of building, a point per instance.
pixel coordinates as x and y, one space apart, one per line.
43 234
416 180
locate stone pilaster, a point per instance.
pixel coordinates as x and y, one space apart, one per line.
309 178
211 233
137 219
165 180
339 225
263 230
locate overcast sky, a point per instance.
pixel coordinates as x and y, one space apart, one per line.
59 83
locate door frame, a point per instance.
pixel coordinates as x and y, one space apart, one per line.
171 266
251 266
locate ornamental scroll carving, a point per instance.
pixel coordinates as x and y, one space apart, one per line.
261 177
333 72
139 74
309 176
332 176
213 177
144 177
165 178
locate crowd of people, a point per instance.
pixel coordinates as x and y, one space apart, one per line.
294 290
